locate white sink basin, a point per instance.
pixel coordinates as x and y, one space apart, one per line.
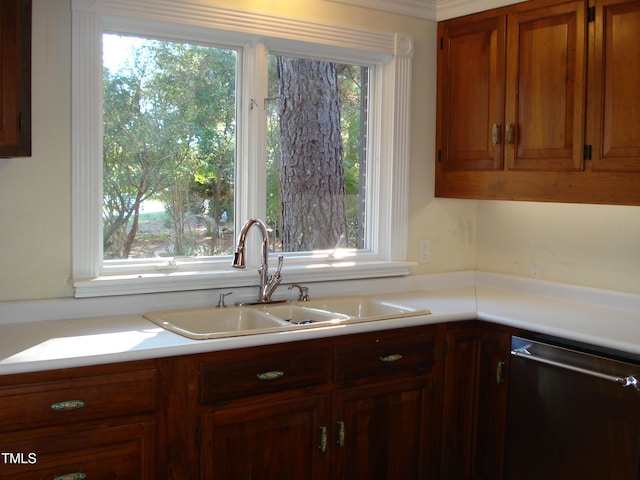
362 307
204 323
302 315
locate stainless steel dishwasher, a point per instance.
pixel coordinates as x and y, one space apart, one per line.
572 414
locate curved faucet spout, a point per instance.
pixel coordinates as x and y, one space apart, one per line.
268 284
239 258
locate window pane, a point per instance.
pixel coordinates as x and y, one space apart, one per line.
316 154
169 148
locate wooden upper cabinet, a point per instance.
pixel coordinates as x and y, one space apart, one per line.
615 94
546 61
471 94
539 101
15 78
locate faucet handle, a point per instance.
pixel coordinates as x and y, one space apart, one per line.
304 292
280 262
221 303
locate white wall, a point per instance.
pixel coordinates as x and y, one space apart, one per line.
589 245
592 245
35 193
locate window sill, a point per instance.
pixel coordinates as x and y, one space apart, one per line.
229 277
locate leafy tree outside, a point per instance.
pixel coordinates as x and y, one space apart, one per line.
169 136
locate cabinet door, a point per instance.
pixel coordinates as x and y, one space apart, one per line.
475 401
284 440
493 363
15 78
379 431
459 397
615 77
545 102
471 94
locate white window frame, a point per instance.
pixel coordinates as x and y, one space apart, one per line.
389 55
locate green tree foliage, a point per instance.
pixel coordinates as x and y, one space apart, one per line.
169 133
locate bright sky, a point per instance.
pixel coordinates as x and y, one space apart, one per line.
116 49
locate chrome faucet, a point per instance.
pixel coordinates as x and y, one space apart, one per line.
268 284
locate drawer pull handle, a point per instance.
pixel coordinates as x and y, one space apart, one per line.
394 357
71 476
67 405
271 375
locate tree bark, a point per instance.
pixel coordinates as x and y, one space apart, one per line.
312 188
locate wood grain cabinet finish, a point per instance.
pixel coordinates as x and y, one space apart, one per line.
476 367
545 88
471 83
15 78
243 374
413 403
103 453
382 431
94 422
614 124
356 407
263 413
539 101
277 438
384 417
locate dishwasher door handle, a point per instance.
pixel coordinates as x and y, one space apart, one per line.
625 381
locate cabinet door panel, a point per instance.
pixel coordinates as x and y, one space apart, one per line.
471 92
274 440
493 364
15 78
380 431
459 396
545 88
616 78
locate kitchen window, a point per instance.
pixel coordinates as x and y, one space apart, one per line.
188 122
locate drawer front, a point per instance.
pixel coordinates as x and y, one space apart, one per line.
380 355
70 400
116 452
227 378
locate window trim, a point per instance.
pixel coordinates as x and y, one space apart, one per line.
389 53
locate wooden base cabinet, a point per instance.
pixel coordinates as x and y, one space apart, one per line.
417 403
352 407
475 400
99 452
380 430
94 422
273 439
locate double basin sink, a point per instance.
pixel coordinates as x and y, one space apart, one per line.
212 322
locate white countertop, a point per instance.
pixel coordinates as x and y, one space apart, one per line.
603 318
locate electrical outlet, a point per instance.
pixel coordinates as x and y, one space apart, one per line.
425 251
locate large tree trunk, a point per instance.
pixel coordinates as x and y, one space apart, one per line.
312 189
